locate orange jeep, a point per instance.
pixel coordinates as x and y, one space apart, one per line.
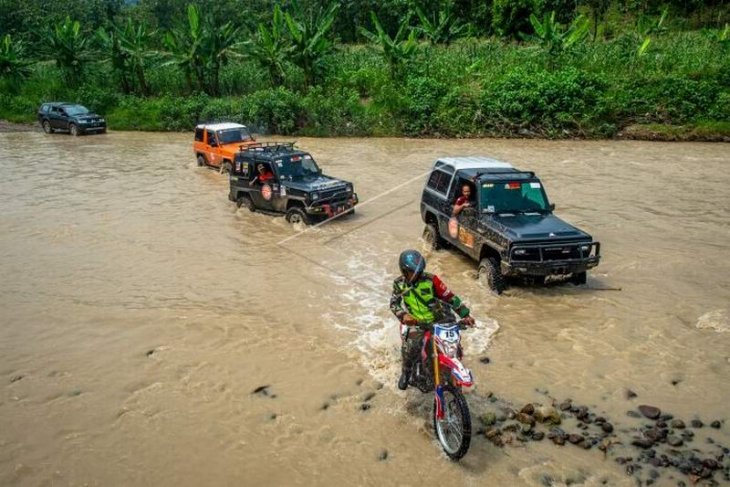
216 144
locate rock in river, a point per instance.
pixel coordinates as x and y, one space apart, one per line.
696 423
677 424
650 412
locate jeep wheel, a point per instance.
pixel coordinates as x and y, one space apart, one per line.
432 238
490 276
297 215
201 160
73 129
578 278
245 201
47 127
226 167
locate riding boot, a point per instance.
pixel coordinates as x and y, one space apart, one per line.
405 375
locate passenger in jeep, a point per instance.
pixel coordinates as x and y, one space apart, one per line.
463 201
263 176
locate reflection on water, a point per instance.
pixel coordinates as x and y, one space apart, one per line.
140 309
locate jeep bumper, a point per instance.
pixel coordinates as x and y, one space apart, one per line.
333 208
546 260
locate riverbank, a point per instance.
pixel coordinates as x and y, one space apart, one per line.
711 132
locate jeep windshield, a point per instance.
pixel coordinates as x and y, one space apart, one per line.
297 167
74 110
234 135
512 197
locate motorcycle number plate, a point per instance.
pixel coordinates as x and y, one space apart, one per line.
449 334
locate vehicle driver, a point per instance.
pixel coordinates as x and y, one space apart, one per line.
464 200
264 175
415 299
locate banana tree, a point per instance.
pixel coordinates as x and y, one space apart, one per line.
396 50
14 67
271 48
220 45
443 29
310 43
69 47
553 37
184 44
646 27
127 48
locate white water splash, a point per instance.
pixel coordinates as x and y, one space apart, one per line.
717 320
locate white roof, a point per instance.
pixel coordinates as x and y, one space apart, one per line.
475 162
221 126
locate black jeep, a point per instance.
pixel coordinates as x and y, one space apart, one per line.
508 225
75 118
278 178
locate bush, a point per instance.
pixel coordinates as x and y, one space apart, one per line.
543 101
334 113
277 111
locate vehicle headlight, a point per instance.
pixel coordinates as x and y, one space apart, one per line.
585 248
83 121
102 120
520 252
349 188
314 196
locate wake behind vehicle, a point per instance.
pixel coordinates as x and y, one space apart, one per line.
440 371
293 184
71 117
510 229
217 144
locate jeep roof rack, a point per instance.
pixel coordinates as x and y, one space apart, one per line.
269 147
514 174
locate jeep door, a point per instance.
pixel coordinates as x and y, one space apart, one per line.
211 148
264 195
462 227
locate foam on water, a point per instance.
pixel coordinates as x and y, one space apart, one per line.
717 320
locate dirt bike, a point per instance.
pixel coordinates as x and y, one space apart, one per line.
440 370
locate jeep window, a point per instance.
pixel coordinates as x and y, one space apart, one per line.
211 138
74 110
297 167
512 197
199 134
45 108
439 181
232 136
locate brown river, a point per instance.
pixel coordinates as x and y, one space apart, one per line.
139 309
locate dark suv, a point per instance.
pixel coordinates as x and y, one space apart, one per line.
75 118
278 178
509 226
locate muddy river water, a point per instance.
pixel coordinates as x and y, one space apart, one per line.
139 309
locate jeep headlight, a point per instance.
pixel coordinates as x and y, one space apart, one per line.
102 120
83 121
586 249
520 252
314 196
348 187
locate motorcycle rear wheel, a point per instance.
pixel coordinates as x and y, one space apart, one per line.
454 431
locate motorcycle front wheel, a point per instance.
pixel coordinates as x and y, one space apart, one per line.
454 430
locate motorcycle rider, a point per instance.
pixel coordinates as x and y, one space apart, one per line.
415 294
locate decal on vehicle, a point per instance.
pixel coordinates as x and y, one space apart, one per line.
535 185
238 166
453 227
283 190
465 237
266 192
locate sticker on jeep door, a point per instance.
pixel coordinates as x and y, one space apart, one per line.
466 237
266 192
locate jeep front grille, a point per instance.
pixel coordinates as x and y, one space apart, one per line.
554 252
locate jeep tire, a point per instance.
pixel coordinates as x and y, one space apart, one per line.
296 214
245 201
201 160
579 278
73 129
47 127
489 274
432 238
226 167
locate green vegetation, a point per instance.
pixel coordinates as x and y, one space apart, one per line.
459 68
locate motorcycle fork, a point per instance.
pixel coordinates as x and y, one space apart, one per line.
437 381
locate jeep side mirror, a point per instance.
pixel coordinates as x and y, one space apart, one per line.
552 206
213 143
